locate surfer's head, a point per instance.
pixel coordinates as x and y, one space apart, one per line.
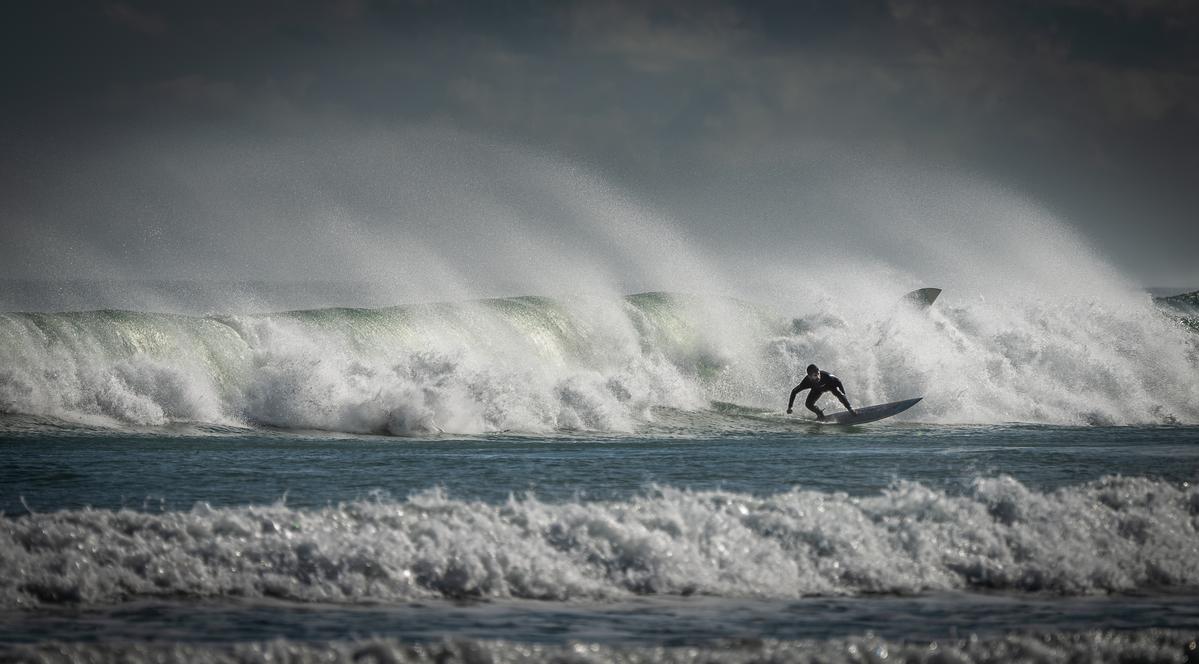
813 372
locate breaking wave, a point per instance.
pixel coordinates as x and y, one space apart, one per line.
601 364
1111 535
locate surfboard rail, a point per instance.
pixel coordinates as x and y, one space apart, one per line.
868 414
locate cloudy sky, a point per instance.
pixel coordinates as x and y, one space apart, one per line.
497 141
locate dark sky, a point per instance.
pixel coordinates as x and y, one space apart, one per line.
495 141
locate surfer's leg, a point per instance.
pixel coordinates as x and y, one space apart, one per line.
844 401
811 404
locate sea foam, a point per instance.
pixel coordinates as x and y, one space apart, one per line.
596 364
1111 535
1164 646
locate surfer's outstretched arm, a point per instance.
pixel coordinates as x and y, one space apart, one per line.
798 388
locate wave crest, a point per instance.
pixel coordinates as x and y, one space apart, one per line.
536 365
1115 534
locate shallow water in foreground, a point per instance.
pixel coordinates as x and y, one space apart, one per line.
202 544
642 622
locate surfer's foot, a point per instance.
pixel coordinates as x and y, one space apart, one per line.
819 416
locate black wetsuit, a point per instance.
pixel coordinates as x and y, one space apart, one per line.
827 383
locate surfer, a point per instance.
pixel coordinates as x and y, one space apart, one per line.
819 382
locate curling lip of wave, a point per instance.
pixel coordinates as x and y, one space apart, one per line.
1110 535
603 364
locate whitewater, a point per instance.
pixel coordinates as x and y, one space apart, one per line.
601 478
537 364
1105 536
600 473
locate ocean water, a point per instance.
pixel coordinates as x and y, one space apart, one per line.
600 479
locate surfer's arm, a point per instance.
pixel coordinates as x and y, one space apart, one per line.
798 388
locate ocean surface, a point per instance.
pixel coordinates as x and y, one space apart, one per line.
600 479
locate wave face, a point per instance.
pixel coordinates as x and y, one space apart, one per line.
1115 534
602 364
1087 646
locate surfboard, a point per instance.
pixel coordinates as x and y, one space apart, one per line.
869 413
923 298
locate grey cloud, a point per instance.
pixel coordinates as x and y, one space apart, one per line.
138 21
657 39
720 113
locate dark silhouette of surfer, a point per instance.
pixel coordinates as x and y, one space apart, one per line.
819 382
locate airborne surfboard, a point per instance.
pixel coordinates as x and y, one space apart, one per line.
869 413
